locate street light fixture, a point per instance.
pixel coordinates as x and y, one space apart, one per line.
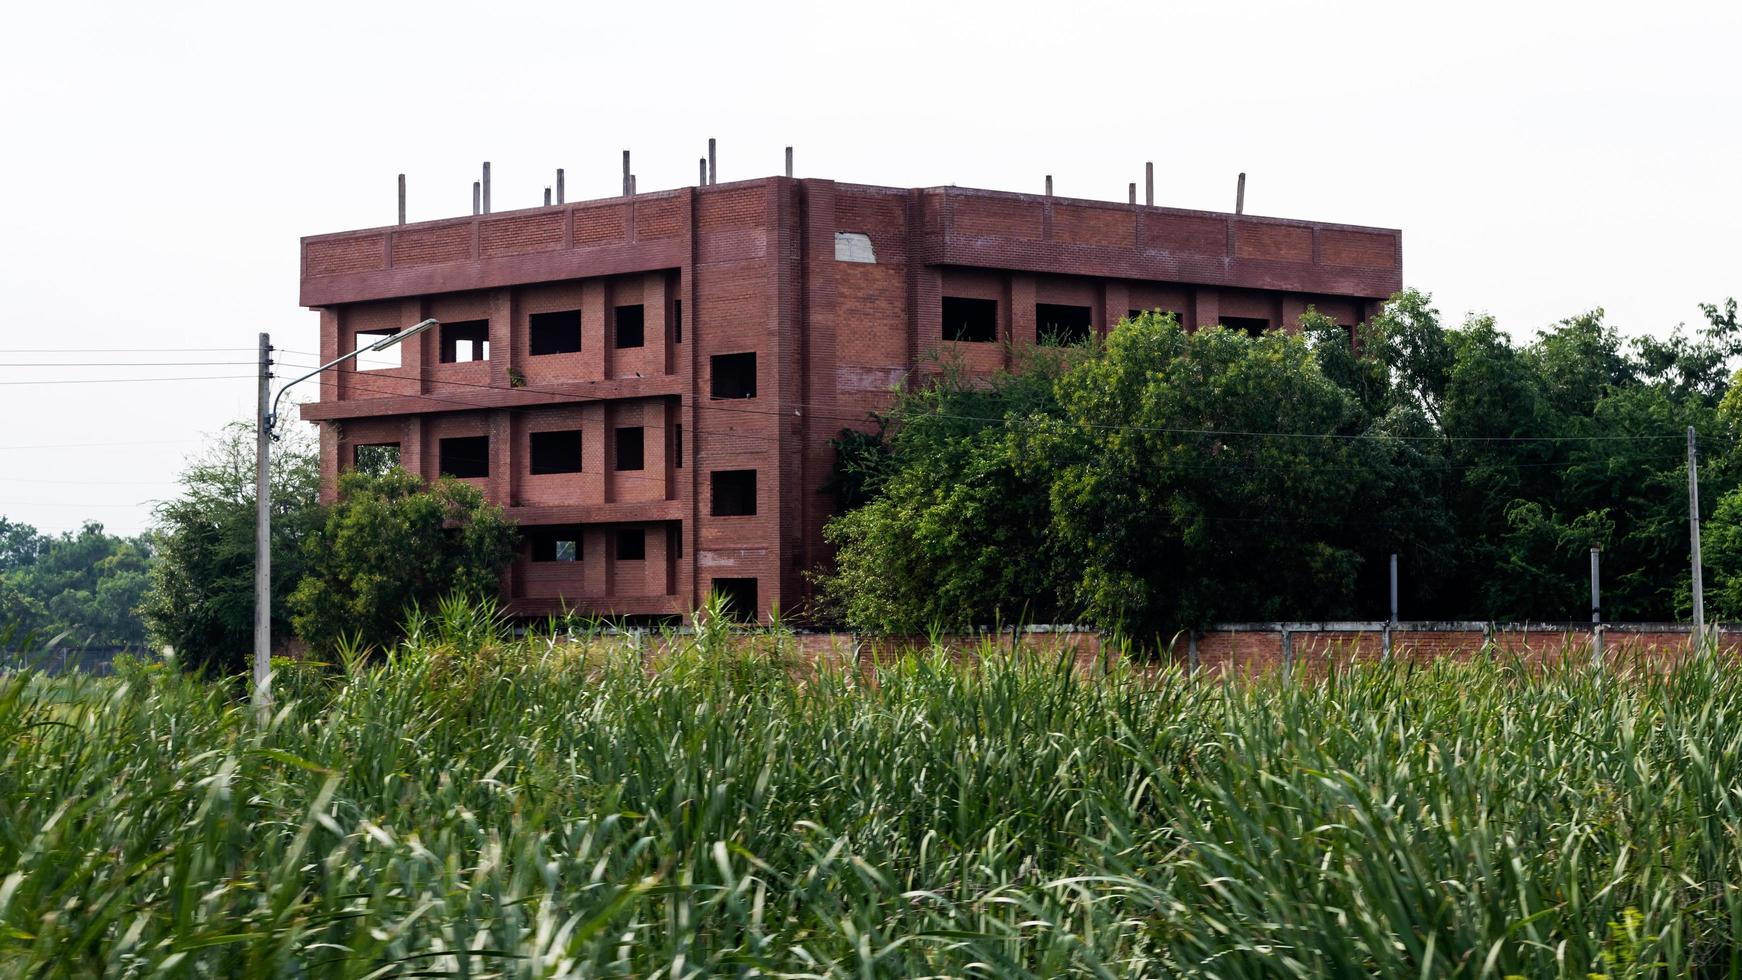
266 425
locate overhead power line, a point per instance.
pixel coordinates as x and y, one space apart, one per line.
119 381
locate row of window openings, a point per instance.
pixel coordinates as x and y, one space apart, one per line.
630 544
976 321
556 332
468 457
730 376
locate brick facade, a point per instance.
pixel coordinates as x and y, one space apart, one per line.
746 268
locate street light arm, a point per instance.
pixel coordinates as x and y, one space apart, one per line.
380 345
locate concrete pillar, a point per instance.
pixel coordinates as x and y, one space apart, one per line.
1206 308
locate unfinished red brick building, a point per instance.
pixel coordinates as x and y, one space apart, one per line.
649 383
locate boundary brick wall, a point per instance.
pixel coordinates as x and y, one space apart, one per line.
1307 649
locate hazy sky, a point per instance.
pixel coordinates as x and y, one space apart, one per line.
164 158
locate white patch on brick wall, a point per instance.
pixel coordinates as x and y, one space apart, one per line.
854 246
868 379
730 557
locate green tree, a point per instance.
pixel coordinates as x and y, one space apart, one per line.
955 527
1210 475
201 599
393 542
88 584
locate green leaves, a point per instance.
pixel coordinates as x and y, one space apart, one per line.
552 809
1164 479
392 544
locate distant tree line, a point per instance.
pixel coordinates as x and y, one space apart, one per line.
1165 479
343 574
78 587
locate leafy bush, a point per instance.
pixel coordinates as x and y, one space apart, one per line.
394 543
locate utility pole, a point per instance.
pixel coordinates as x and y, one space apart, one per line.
1694 535
266 423
1596 609
263 535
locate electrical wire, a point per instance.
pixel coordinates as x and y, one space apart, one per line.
131 364
110 381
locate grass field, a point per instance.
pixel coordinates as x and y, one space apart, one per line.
477 808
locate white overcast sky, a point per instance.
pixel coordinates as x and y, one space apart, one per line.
162 159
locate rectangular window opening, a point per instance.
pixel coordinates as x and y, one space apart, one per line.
631 544
739 595
464 341
677 321
558 332
1059 325
677 446
631 447
734 493
555 452
376 360
732 375
466 457
560 543
375 458
1251 326
972 320
631 326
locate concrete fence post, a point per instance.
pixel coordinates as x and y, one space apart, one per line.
1596 612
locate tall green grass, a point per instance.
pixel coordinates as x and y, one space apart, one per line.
473 807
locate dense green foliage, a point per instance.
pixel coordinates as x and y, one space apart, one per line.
475 808
79 586
1168 479
201 601
394 543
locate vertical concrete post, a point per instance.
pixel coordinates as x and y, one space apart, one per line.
631 185
1192 652
559 185
1394 586
547 197
625 173
1385 636
263 536
486 187
1596 610
1149 183
1132 192
1287 652
402 199
701 171
713 170
789 161
1240 195
1049 185
1699 589
477 198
